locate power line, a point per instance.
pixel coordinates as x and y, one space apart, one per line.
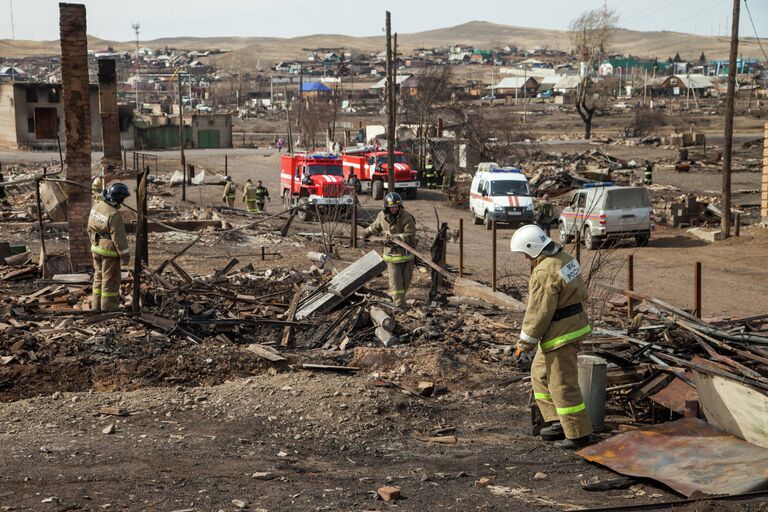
694 15
755 29
651 11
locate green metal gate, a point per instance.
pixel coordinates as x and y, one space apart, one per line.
160 137
208 139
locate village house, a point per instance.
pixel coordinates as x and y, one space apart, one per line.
516 86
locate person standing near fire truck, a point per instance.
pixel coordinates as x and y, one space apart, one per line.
396 223
254 196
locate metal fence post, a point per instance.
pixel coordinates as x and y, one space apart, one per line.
461 247
697 290
493 280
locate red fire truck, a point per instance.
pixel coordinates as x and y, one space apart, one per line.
314 179
370 167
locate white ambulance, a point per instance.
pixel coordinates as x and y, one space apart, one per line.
500 194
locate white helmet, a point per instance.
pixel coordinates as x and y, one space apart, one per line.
529 239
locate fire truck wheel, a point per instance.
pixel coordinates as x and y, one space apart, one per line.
286 200
304 213
377 190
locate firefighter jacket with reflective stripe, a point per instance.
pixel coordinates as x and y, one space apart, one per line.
556 283
402 227
107 232
229 190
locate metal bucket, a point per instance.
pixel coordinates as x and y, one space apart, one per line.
592 381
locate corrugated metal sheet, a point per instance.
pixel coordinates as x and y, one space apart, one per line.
687 455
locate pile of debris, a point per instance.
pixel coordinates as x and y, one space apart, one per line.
196 329
669 364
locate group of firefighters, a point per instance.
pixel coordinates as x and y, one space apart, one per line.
554 324
254 196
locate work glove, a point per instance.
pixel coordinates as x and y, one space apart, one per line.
523 359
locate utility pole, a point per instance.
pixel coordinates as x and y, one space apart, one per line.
394 82
645 88
390 109
730 101
181 144
136 26
300 120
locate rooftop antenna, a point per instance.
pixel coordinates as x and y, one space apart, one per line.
13 28
136 26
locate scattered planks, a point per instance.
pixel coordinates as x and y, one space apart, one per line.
265 352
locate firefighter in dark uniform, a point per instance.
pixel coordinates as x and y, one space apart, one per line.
429 172
648 175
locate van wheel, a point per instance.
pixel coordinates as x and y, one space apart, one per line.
475 219
377 190
488 221
590 242
642 240
563 233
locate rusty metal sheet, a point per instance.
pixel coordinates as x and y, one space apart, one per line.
687 455
674 396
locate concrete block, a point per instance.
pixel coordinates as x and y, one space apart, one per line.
707 235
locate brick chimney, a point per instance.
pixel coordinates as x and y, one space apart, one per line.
77 129
110 124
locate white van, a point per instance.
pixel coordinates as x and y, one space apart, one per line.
500 194
603 211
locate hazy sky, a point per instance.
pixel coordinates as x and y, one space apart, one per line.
111 19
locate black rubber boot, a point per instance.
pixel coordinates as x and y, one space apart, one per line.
552 432
574 444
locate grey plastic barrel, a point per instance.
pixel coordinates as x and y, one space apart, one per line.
592 381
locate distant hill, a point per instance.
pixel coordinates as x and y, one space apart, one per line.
246 51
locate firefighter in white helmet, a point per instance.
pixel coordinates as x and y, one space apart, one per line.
555 322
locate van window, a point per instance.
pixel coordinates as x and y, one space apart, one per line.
626 198
510 188
483 188
581 200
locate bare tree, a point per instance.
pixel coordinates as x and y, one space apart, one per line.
432 88
590 34
495 135
317 117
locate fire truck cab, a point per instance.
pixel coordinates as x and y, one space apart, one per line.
370 167
315 182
